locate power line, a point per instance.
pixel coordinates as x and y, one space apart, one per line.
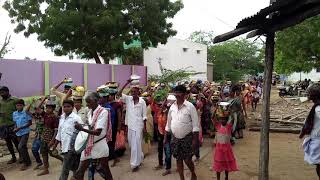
224 22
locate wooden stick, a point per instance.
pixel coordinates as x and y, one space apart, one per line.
278 130
285 122
295 117
288 116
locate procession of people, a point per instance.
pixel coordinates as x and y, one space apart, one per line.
85 130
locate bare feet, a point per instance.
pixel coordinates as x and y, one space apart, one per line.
115 161
44 172
158 167
166 172
197 160
12 160
193 176
135 169
37 166
24 167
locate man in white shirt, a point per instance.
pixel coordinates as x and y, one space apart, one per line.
136 116
99 135
184 126
65 132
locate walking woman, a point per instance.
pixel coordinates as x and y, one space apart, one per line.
311 144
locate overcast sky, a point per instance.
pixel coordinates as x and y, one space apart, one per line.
218 16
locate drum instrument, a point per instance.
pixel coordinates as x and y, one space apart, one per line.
81 140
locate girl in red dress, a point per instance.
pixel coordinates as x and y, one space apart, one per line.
223 158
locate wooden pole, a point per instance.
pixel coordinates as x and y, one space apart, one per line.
265 124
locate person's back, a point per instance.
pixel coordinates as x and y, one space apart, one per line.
316 126
7 107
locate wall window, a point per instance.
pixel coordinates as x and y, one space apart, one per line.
185 49
198 51
318 70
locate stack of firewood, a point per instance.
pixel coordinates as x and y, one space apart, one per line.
286 115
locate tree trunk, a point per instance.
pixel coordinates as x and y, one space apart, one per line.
265 124
96 58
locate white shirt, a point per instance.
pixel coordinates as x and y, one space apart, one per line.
100 149
316 123
182 121
66 129
135 113
101 122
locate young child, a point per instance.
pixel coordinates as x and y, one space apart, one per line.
164 144
255 99
23 121
50 128
223 158
38 118
64 137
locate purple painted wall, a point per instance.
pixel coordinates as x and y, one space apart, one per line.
141 71
122 73
59 70
26 78
23 78
98 74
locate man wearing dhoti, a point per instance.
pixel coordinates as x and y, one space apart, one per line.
136 116
99 135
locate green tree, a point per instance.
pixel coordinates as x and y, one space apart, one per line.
94 28
298 47
233 59
133 56
203 37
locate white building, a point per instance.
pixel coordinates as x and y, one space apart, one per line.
177 54
314 75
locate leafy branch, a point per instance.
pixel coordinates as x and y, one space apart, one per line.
168 76
5 46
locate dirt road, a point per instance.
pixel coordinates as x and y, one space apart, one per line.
286 163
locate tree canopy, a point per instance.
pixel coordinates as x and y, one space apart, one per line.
94 28
233 59
133 56
298 47
203 37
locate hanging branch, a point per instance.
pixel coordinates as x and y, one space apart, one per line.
4 49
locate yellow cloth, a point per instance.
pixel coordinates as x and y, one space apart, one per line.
149 123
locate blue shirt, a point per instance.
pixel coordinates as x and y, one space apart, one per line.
113 113
21 119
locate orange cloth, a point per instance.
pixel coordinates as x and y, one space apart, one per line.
162 122
156 110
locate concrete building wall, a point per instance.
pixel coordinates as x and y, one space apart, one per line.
177 54
210 72
313 75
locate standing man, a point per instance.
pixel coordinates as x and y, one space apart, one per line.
183 123
99 135
7 107
136 117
